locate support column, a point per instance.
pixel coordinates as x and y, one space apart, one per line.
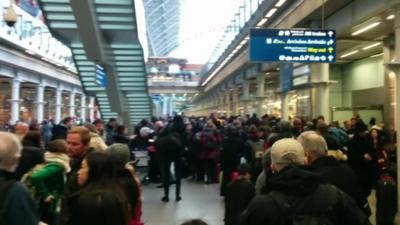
246 96
396 69
72 103
83 108
165 105
228 103
235 99
260 94
285 106
320 78
91 108
15 95
171 106
221 107
59 92
40 101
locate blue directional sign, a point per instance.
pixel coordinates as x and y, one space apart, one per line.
101 78
293 45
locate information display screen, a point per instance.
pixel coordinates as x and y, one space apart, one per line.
293 45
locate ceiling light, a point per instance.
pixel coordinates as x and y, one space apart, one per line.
366 28
262 22
390 17
371 46
349 54
271 12
280 3
30 52
377 55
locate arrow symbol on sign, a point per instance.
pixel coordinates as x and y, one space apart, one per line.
330 33
330 57
330 42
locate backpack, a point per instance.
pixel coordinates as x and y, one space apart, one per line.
327 197
340 136
26 180
5 187
257 148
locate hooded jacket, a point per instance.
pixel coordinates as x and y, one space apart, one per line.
303 191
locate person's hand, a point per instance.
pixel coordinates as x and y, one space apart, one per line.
367 156
381 161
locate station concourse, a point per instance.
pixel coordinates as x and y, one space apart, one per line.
195 74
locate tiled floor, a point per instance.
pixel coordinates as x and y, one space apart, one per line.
198 201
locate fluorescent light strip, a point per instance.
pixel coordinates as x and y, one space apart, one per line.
349 54
371 46
366 28
271 12
30 52
390 17
262 22
280 3
377 55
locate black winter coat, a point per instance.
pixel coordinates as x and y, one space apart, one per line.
238 195
304 193
340 175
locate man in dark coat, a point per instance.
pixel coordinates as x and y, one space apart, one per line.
78 140
296 192
332 171
17 207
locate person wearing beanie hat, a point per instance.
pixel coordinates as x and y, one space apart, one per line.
120 152
296 193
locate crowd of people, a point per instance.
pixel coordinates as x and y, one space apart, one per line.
308 171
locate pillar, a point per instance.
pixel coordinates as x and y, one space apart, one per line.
171 105
320 78
246 96
228 103
72 103
165 105
15 95
83 108
285 105
235 100
40 101
396 69
91 108
59 92
260 94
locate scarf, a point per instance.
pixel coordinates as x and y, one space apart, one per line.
60 158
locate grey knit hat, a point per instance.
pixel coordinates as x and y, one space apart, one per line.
119 151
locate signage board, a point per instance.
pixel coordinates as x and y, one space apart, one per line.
100 75
293 45
286 77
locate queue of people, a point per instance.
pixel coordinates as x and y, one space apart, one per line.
306 171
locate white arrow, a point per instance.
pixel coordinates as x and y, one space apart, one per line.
330 33
330 57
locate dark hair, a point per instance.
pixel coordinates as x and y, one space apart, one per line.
102 200
194 222
33 137
96 121
120 130
243 169
100 207
102 169
57 146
